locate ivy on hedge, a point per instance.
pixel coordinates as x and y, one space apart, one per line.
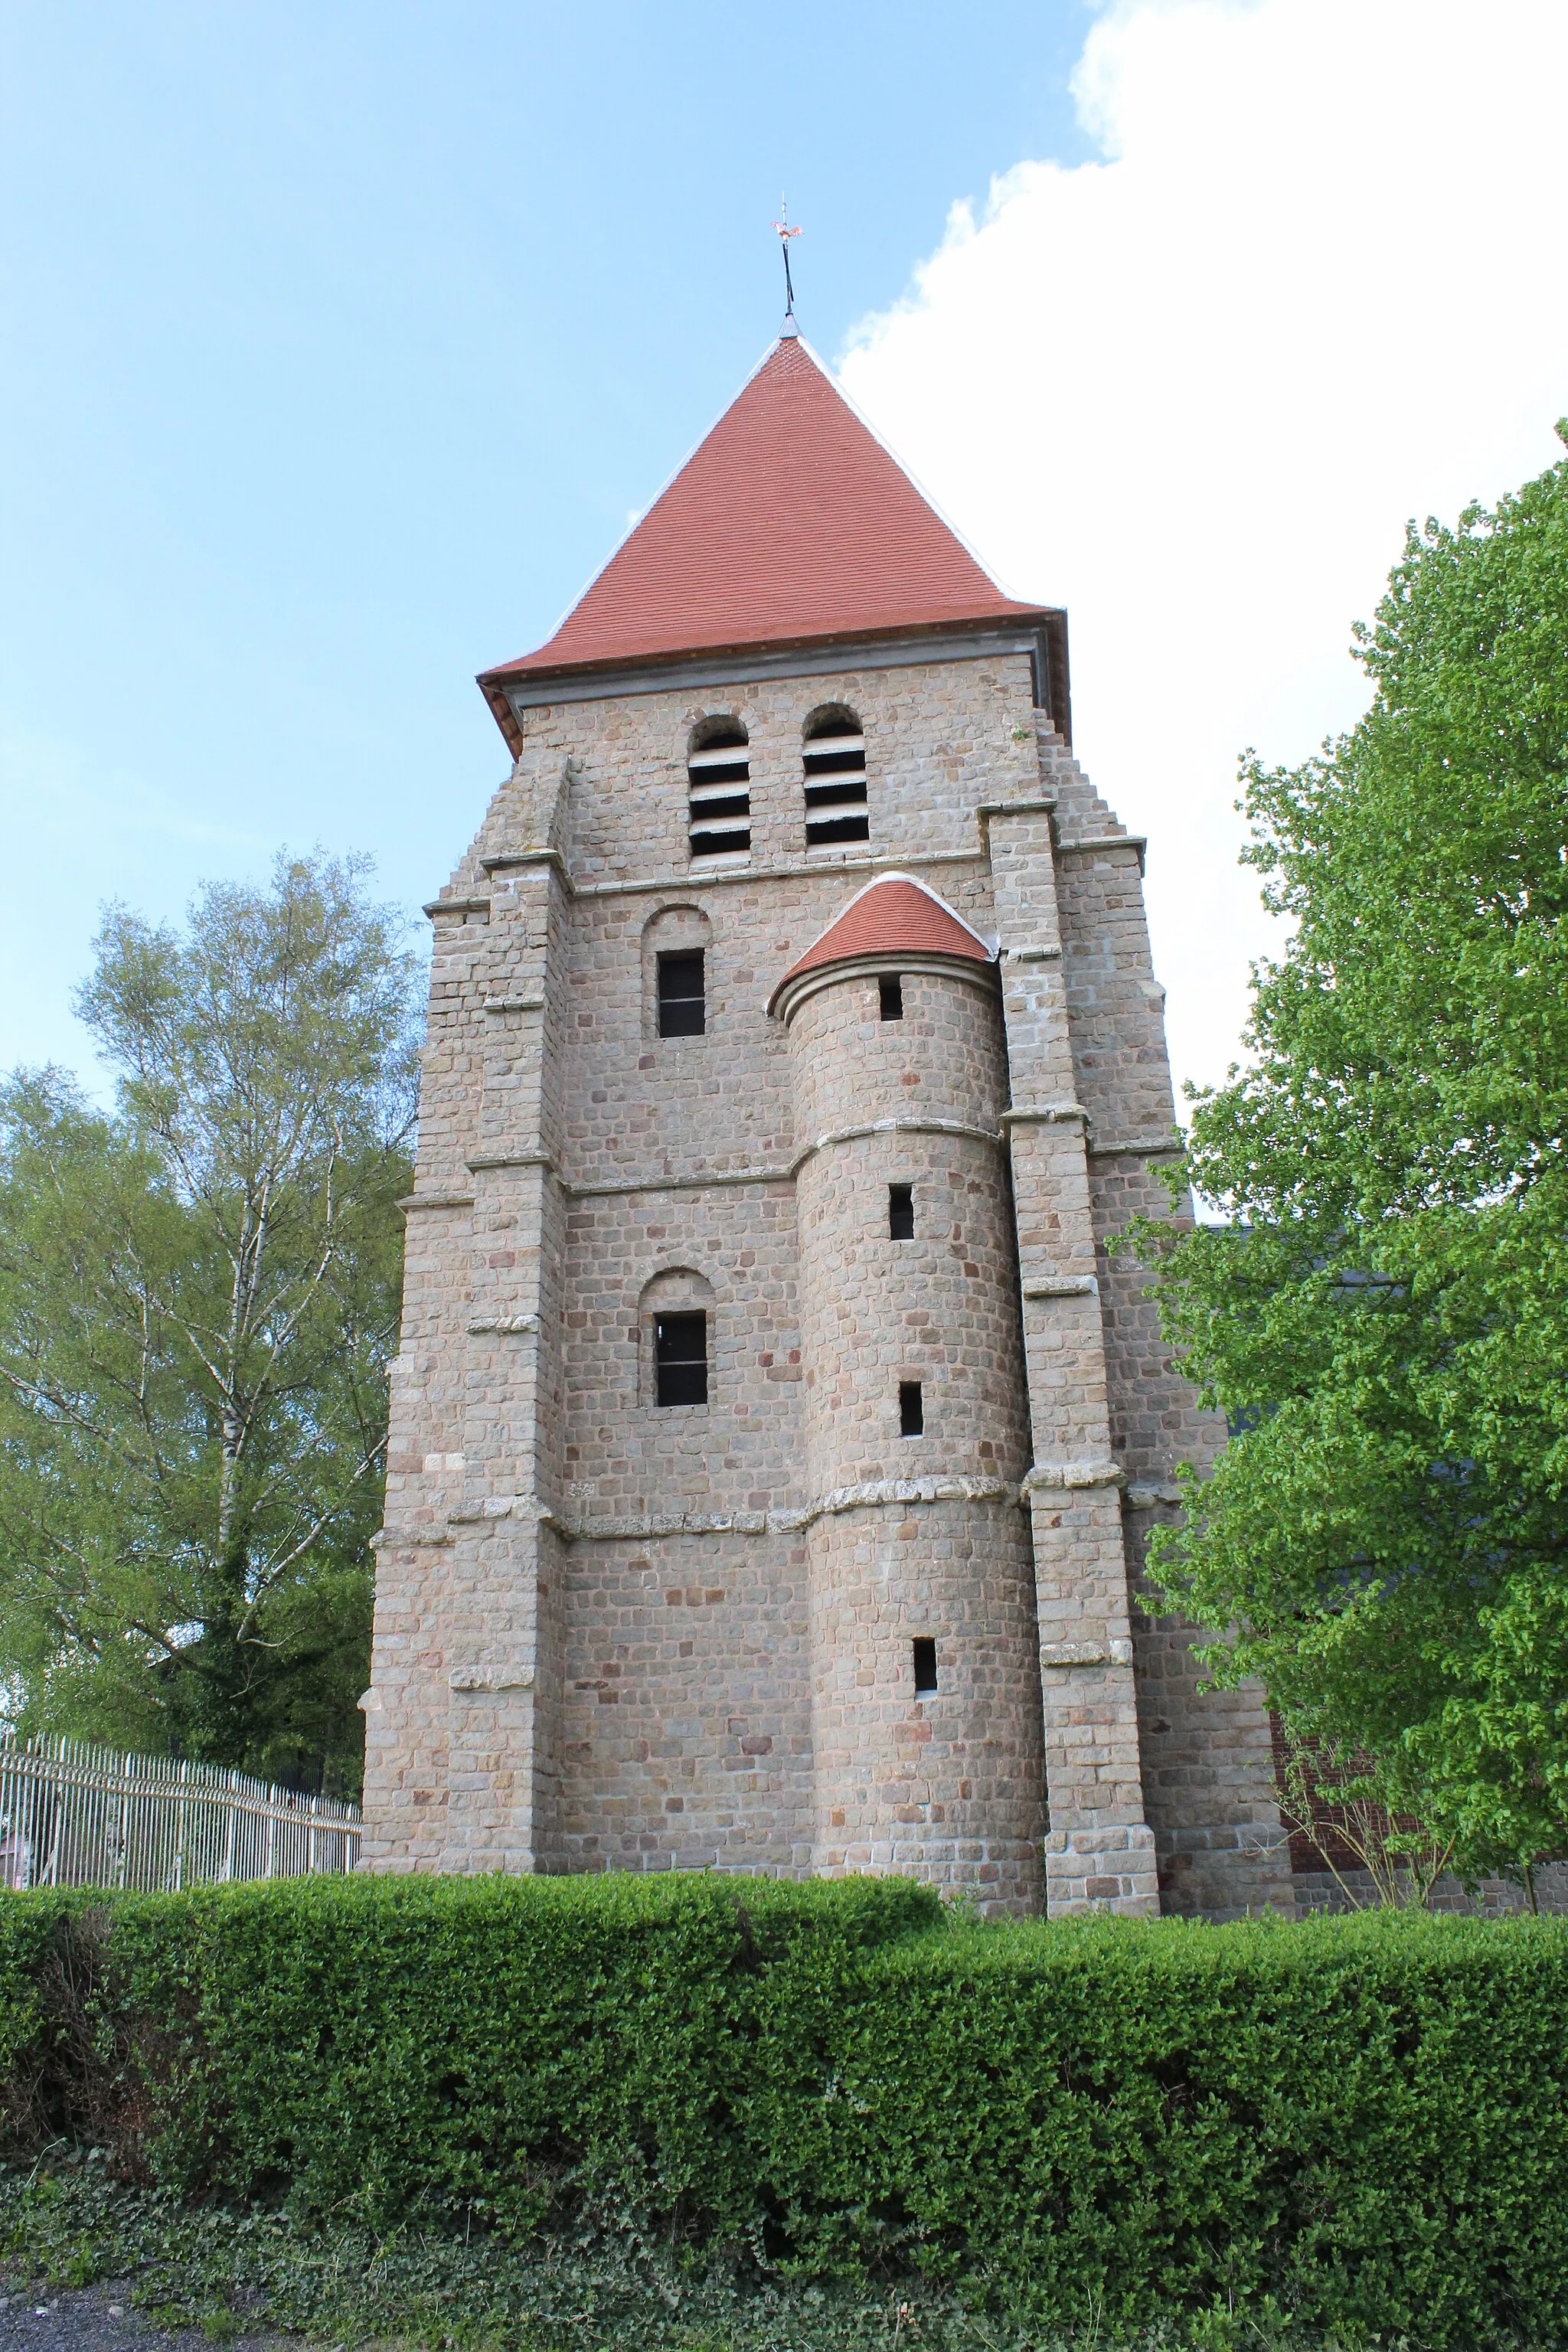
1361 2122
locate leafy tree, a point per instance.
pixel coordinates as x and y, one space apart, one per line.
1385 1317
198 1302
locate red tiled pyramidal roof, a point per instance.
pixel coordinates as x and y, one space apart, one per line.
789 522
892 917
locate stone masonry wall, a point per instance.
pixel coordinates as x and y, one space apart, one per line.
1208 1782
597 1644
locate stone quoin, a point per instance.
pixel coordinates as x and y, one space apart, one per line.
774 1442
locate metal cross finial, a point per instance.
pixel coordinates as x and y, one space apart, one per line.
784 233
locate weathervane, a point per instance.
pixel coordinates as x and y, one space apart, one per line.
784 233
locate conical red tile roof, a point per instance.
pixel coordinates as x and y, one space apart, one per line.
791 521
891 916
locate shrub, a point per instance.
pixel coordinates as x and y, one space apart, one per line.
502 2046
1360 2122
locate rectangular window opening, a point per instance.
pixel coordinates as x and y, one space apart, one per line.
890 993
901 1213
925 1664
681 995
911 1410
681 1358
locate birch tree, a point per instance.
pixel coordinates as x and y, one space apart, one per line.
199 1297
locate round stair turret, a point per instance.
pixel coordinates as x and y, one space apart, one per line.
926 1710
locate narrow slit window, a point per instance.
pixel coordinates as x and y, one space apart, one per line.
911 1410
925 1664
681 1358
835 760
901 1213
682 1003
890 996
719 773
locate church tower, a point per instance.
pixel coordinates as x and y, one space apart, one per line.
773 1443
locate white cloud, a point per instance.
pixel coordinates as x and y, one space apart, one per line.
1193 392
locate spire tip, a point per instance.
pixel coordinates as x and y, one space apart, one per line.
789 331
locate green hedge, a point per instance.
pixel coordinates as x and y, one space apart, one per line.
1363 2120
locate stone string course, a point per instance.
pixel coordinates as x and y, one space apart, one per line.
612 1635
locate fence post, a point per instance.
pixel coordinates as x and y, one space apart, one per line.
49 1877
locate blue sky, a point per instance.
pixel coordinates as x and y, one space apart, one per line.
340 341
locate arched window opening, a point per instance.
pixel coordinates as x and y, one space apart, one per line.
719 767
676 973
676 1327
835 760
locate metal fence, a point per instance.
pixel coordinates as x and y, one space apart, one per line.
71 1815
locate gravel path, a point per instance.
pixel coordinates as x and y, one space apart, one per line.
98 2319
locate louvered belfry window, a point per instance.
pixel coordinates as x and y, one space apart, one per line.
720 768
834 755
